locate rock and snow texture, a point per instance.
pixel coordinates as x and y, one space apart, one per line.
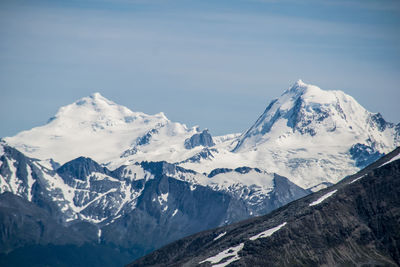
200 139
310 135
98 128
82 189
354 225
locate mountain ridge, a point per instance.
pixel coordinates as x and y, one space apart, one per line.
352 223
296 136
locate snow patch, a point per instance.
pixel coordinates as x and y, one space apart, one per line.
99 235
30 182
355 180
231 253
268 232
163 198
319 200
393 159
175 212
219 236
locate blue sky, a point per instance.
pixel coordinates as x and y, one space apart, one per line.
216 64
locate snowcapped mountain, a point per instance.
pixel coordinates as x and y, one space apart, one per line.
310 135
316 116
98 128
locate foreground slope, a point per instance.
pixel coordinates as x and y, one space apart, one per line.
352 223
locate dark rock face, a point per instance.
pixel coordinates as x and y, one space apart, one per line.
358 224
205 153
30 236
156 222
284 192
242 170
364 155
201 139
218 171
79 169
24 223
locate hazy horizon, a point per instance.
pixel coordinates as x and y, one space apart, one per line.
206 63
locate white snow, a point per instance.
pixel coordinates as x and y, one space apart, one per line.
99 196
355 180
136 172
106 130
318 187
267 233
69 219
306 159
219 236
163 198
319 200
393 159
30 182
99 235
13 184
175 212
230 252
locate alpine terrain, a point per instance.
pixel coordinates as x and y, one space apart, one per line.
353 223
99 178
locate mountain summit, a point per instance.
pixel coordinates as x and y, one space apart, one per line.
306 112
94 127
312 136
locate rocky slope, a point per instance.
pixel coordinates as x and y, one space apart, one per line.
353 223
133 209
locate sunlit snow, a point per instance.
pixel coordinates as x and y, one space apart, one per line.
230 252
219 236
268 232
319 200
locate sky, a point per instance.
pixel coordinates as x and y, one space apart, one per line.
216 64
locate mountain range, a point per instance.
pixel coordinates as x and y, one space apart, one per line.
353 223
123 183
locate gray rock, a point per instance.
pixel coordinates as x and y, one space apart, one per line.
201 139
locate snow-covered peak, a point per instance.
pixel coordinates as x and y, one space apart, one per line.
309 94
299 83
307 127
96 127
98 109
97 95
298 86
